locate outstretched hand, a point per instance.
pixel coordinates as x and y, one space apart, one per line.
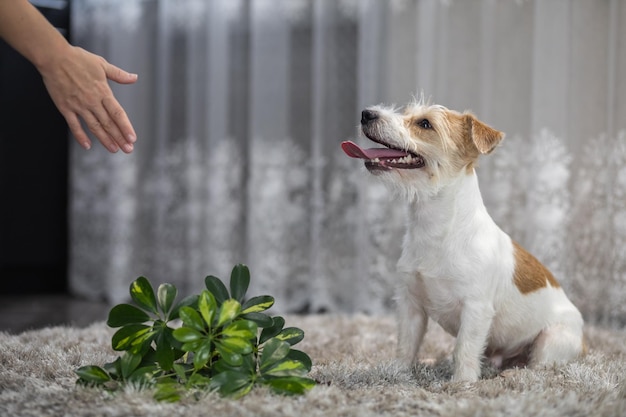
77 80
77 83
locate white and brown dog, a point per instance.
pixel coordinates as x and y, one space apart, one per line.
459 268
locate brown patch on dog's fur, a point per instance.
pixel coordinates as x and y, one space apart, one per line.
460 136
530 275
435 116
472 137
484 137
468 136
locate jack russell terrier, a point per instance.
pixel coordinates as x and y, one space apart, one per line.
458 267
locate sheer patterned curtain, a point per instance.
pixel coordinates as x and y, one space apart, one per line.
241 106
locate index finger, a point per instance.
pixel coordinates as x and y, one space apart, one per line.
120 118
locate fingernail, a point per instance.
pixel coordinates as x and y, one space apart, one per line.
86 145
128 148
132 138
113 148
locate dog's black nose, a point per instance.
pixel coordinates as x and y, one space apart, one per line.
368 115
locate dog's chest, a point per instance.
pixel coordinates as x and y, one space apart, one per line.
442 299
447 266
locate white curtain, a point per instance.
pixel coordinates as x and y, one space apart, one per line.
241 105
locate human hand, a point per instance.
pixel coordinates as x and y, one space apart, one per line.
77 83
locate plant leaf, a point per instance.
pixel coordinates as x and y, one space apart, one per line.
123 339
129 362
192 346
232 383
207 307
123 314
164 352
239 282
248 366
114 369
148 357
191 318
228 311
274 330
274 351
237 345
143 295
141 344
230 357
286 368
166 294
291 335
244 329
217 288
199 381
93 374
202 355
168 335
187 334
181 372
297 355
168 391
261 319
291 385
257 304
143 376
189 301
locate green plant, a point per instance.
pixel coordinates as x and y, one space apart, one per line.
215 340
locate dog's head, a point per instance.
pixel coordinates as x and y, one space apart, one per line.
424 148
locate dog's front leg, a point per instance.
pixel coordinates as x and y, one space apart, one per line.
476 318
412 324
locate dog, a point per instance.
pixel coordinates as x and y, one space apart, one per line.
457 266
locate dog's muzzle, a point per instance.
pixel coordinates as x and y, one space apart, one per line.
380 159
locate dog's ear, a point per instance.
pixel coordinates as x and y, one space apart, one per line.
485 138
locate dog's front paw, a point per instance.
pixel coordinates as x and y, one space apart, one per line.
466 374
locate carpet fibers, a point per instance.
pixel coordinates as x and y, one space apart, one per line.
354 363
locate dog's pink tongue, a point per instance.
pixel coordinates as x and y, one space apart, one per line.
355 151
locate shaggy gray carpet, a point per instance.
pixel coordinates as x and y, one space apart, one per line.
354 362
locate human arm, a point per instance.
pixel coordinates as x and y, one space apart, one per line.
75 79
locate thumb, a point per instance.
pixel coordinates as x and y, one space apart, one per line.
118 75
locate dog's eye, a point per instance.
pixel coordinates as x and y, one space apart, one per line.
424 124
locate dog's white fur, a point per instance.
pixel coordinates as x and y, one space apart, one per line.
458 267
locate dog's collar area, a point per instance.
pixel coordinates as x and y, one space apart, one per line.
383 158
